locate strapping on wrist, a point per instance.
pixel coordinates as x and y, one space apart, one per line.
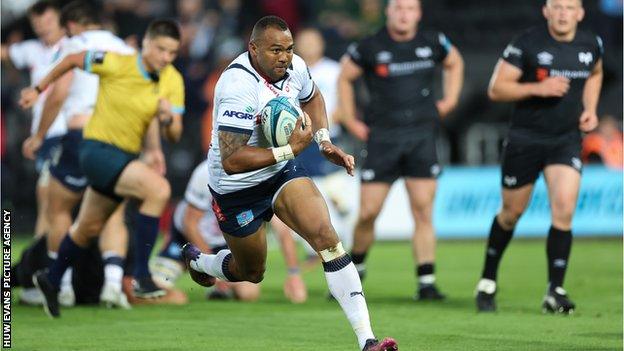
283 153
322 135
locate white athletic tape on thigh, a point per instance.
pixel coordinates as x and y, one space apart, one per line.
332 253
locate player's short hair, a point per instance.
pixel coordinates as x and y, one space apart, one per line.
163 28
79 12
268 22
40 7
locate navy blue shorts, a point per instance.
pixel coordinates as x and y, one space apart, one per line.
66 166
103 163
46 152
242 212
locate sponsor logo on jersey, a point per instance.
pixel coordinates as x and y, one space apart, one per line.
383 57
512 50
569 74
424 52
244 218
382 70
545 58
586 57
238 114
510 180
541 74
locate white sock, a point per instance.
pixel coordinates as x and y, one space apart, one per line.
344 284
66 280
427 279
211 264
113 275
487 285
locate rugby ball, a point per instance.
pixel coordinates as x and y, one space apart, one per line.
278 118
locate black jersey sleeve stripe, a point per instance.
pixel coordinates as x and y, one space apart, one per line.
307 98
235 130
239 66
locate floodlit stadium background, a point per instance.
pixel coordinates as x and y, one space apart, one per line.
216 30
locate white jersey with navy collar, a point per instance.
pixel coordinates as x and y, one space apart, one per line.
84 88
240 95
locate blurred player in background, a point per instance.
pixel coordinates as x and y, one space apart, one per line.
326 175
37 55
400 126
250 182
553 73
75 94
195 222
138 94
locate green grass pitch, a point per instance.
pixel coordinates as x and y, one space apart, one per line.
594 281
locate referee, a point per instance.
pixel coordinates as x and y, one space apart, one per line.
400 125
553 73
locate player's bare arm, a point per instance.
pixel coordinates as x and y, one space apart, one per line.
349 72
315 108
152 149
170 122
238 157
28 96
51 108
453 71
591 93
505 85
190 224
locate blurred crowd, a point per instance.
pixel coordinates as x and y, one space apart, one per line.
215 31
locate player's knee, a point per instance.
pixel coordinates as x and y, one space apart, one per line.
254 274
88 229
367 216
422 214
510 215
161 191
324 238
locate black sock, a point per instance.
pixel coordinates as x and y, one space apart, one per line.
497 243
68 252
425 269
146 233
558 246
358 261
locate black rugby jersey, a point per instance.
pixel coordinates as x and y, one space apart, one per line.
400 78
540 56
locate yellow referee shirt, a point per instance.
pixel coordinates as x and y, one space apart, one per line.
128 98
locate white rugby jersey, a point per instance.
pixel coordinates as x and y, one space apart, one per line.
83 91
325 74
198 195
240 95
35 56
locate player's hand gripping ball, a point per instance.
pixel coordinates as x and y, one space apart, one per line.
278 118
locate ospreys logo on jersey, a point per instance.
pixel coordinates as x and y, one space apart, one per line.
545 58
586 57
